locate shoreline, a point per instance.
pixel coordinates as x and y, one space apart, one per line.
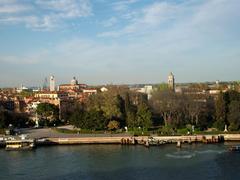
136 140
132 140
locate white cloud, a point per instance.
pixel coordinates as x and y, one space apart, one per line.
123 4
42 14
67 8
110 22
13 8
166 16
147 18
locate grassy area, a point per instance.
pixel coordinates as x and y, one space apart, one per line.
65 131
179 132
84 131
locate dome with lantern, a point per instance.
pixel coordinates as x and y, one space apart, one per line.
74 81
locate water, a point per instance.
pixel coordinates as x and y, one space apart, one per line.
121 162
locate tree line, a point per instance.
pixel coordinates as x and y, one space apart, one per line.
165 109
113 110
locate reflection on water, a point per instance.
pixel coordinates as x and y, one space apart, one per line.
121 162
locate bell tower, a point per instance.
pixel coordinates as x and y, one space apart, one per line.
171 81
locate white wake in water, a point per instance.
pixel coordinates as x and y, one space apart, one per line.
189 155
209 151
181 155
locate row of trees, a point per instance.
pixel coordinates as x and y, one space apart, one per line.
178 110
113 110
201 110
165 108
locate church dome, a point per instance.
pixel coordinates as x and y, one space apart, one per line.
74 81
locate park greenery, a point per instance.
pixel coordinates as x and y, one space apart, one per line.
166 111
49 114
112 111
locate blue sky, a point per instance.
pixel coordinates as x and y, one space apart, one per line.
118 41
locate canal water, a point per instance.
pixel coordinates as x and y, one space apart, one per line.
121 162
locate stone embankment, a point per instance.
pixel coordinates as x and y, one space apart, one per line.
143 140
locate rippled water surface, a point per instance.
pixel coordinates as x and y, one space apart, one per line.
121 162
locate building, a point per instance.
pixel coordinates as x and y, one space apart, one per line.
146 90
89 91
73 86
51 97
171 81
52 83
103 89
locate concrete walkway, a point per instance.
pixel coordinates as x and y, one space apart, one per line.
48 132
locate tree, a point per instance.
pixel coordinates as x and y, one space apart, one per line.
230 98
111 107
161 102
78 117
234 115
144 116
170 106
130 112
113 125
195 107
221 112
88 119
162 87
95 120
2 118
48 111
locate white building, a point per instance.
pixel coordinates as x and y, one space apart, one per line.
90 91
146 90
103 89
52 83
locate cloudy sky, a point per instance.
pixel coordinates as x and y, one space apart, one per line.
118 41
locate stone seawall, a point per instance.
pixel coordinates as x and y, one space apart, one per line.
149 140
85 140
231 137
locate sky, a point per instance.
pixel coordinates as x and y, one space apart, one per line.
118 41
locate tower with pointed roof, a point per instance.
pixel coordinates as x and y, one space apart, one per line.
171 81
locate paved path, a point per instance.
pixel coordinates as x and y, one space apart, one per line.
48 132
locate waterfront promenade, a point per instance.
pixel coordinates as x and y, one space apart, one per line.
50 136
123 138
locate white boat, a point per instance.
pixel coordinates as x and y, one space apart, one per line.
22 144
